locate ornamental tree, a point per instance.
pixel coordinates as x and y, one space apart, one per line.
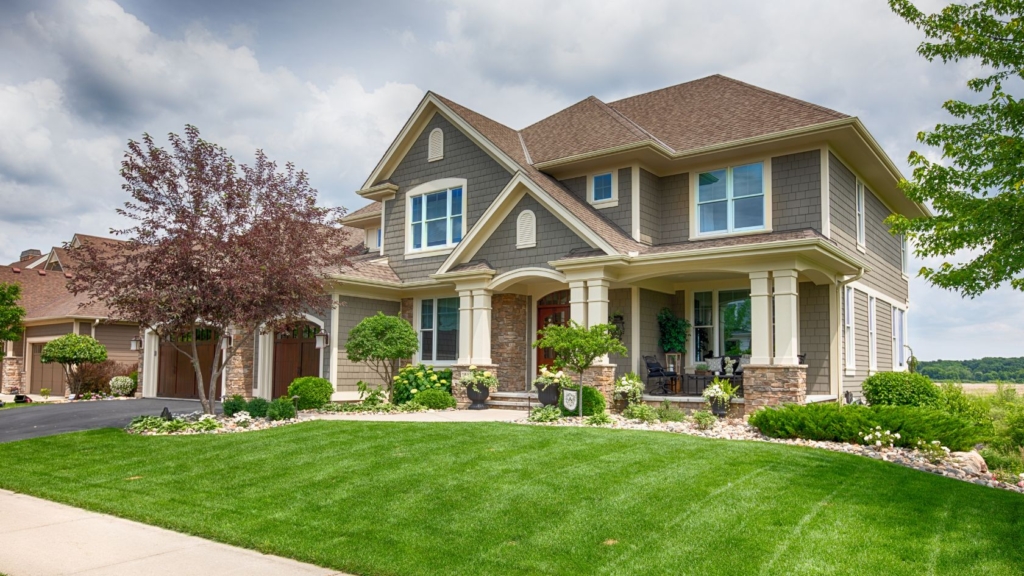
71 351
11 314
214 245
977 190
381 341
577 348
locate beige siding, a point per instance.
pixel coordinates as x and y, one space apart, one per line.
117 338
883 322
49 330
861 340
353 311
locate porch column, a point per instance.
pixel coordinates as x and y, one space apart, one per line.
578 302
787 329
481 327
597 308
465 327
760 319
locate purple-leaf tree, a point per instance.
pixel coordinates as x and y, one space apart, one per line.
215 247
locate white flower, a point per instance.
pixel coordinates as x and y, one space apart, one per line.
897 435
878 443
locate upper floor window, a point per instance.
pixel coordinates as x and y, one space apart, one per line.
436 219
861 225
602 189
731 199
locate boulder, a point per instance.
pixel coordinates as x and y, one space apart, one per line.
970 461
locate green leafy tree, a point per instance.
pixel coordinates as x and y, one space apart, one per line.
673 331
976 191
381 341
71 351
577 348
11 314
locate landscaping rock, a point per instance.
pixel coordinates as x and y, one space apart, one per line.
970 461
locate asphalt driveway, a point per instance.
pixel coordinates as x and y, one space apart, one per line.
44 420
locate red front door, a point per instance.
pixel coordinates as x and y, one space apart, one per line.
551 309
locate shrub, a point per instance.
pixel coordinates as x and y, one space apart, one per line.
233 405
412 380
411 406
641 412
96 377
900 389
599 419
836 423
545 414
435 399
704 419
630 388
313 392
953 400
72 351
44 392
281 409
381 341
122 386
257 407
593 402
668 413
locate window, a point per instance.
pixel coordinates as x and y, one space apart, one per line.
899 337
372 238
872 337
526 229
734 322
703 325
904 255
731 199
848 329
439 330
436 219
601 188
380 237
860 214
435 145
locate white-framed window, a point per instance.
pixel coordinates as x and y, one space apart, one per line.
872 335
435 219
904 255
850 356
899 338
861 224
526 230
731 199
435 145
603 189
373 239
439 330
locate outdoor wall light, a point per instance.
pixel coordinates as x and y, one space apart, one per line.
136 344
323 339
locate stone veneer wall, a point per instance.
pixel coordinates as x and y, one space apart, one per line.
509 316
603 378
458 373
773 385
736 409
239 371
12 374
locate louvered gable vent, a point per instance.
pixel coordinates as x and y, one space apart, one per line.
435 146
526 230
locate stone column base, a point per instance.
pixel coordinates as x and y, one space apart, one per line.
773 385
462 370
602 377
12 375
238 372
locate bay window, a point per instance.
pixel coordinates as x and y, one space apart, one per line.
439 330
436 219
731 199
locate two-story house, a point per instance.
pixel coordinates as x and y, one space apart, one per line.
757 217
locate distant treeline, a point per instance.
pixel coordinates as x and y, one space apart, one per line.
983 370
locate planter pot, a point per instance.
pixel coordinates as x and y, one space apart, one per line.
619 404
548 396
720 408
702 372
478 397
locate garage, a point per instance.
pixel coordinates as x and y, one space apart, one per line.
45 375
177 378
295 355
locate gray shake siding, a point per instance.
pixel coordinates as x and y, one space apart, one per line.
814 336
796 191
651 303
650 208
462 159
621 215
554 240
619 302
664 208
354 310
882 250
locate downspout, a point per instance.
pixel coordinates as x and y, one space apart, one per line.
841 284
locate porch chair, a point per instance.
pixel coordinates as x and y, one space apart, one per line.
656 371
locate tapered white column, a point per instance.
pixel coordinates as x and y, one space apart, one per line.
760 319
481 327
465 327
578 302
787 329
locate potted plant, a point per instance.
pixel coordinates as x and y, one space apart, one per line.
674 331
701 369
718 394
479 384
629 390
548 384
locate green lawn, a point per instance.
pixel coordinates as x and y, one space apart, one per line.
11 405
406 498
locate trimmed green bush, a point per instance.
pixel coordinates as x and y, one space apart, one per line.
413 380
593 402
704 419
233 405
257 407
641 412
835 423
313 392
668 413
900 389
434 399
281 409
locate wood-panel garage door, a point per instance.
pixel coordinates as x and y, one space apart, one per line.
295 355
45 375
177 377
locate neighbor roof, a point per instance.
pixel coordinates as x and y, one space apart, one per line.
44 294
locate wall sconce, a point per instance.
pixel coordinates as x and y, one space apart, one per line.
323 340
136 344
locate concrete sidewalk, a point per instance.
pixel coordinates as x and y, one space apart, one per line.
490 415
43 538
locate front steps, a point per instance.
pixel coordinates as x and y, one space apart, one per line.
513 400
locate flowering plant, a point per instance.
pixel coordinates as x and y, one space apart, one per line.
933 451
548 378
631 388
479 379
879 439
122 385
720 392
241 419
412 380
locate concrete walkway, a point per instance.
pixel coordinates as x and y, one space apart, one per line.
490 415
43 538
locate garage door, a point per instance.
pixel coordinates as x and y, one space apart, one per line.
177 377
295 355
45 375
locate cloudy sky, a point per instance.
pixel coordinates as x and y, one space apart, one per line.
328 85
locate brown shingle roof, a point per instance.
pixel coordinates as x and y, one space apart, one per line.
583 127
47 296
371 266
368 210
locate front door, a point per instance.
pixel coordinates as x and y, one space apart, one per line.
295 355
551 309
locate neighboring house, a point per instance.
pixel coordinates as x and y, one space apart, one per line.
756 216
52 311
